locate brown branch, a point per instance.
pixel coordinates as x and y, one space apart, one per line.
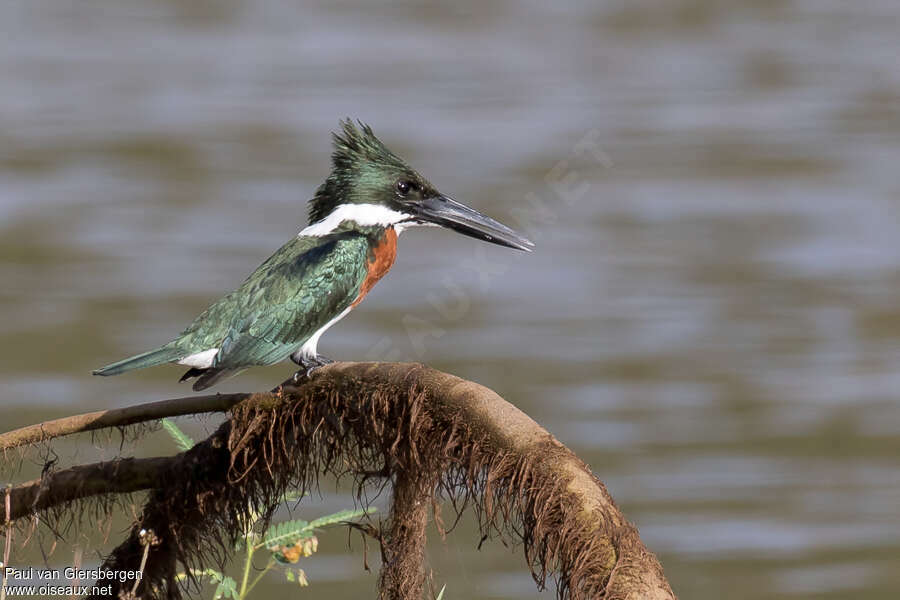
120 476
405 423
118 417
403 549
416 473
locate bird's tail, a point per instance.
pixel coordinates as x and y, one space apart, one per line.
147 359
211 377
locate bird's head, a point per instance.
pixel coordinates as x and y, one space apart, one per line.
371 185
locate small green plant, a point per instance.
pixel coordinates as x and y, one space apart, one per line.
182 440
286 542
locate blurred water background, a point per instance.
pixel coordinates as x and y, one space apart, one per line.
710 318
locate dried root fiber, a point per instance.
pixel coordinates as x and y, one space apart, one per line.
426 434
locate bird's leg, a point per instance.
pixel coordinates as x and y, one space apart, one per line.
309 364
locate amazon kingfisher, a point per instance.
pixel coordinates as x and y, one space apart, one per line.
311 282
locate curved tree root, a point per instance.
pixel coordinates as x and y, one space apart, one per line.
403 548
421 430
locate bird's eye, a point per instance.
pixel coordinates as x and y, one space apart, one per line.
403 187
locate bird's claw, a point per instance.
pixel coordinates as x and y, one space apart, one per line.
309 366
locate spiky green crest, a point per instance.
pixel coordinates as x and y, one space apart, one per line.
363 171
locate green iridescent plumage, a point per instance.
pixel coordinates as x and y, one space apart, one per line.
304 285
311 281
363 171
285 300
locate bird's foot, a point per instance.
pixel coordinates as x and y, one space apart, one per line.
309 365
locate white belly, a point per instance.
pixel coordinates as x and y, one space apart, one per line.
308 349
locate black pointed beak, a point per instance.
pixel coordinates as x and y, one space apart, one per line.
447 212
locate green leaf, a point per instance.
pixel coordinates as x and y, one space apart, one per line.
340 517
181 439
440 595
213 575
287 533
292 496
227 588
289 575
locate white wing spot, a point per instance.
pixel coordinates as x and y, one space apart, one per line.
200 360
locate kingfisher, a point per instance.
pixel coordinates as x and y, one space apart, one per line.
282 309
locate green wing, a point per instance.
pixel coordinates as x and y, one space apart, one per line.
301 287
